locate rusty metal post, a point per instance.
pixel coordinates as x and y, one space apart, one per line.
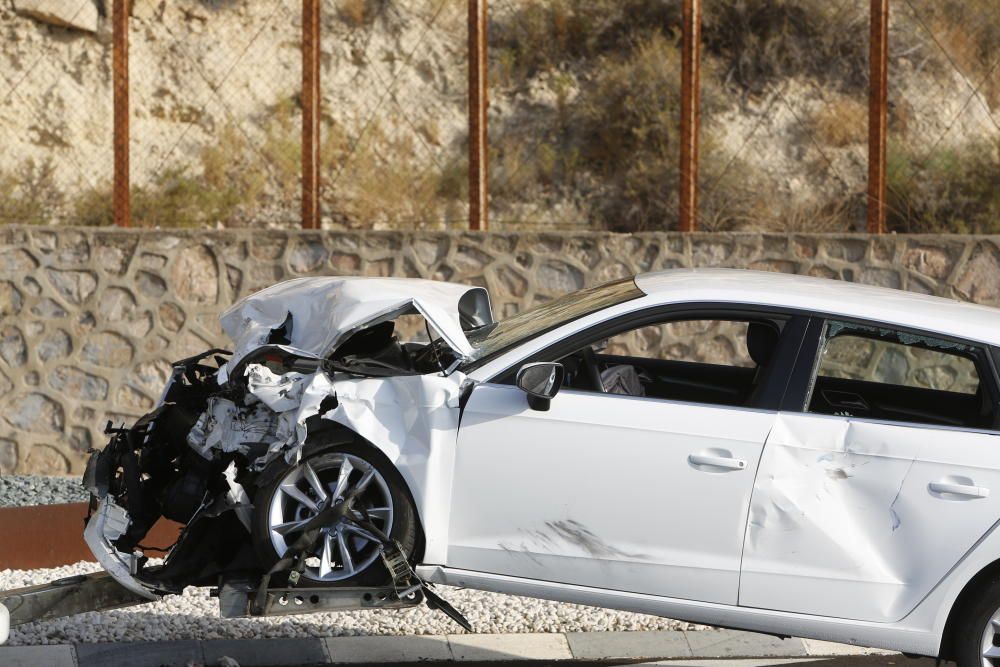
121 202
690 113
478 102
310 114
878 114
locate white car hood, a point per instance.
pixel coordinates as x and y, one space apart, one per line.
325 311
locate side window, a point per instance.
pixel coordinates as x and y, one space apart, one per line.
882 373
717 361
720 342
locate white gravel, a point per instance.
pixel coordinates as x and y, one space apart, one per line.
19 490
195 615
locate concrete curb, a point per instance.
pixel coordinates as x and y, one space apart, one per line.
548 647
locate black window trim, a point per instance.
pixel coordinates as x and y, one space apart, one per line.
987 360
785 362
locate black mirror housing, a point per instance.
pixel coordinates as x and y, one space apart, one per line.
541 382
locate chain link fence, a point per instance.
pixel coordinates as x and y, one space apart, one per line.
785 136
584 114
393 144
55 112
943 171
585 110
215 120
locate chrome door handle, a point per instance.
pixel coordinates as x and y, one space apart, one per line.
716 462
953 489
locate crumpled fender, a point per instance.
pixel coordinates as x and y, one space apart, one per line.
412 419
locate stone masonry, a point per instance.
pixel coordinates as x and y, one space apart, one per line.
90 319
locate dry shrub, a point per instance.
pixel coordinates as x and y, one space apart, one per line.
238 180
763 41
952 190
542 34
28 194
969 33
614 140
841 122
382 180
352 12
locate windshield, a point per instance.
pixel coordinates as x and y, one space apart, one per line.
494 338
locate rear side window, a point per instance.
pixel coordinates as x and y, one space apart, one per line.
887 374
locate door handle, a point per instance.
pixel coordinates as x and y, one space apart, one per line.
710 461
967 490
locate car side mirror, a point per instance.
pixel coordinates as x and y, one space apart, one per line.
541 382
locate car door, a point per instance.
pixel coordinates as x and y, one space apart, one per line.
629 493
866 499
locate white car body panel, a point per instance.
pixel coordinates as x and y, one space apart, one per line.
600 489
4 625
843 523
900 637
413 421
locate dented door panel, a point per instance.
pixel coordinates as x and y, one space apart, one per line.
607 491
845 520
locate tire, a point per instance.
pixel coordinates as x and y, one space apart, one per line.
278 509
975 629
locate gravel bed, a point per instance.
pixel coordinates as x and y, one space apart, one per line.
20 490
195 615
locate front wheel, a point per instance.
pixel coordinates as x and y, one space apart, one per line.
977 639
342 556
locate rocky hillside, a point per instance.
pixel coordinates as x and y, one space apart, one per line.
584 113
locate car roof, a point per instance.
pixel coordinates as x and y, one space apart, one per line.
822 295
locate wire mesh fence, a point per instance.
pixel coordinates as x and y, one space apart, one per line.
394 100
215 118
55 115
785 132
584 114
944 150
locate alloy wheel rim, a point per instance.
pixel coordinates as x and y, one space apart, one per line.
343 550
991 641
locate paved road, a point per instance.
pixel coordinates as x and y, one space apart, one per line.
846 661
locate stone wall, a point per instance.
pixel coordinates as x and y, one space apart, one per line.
91 318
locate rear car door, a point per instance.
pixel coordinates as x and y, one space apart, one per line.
643 493
880 475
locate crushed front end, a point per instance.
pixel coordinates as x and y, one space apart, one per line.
150 471
315 361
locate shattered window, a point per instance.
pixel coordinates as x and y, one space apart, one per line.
860 357
883 373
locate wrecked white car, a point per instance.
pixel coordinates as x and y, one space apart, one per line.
775 453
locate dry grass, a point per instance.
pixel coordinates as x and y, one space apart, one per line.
952 190
28 194
841 122
238 180
385 181
762 41
968 31
353 12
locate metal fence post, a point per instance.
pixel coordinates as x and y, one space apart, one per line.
878 96
120 198
478 135
690 116
310 114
